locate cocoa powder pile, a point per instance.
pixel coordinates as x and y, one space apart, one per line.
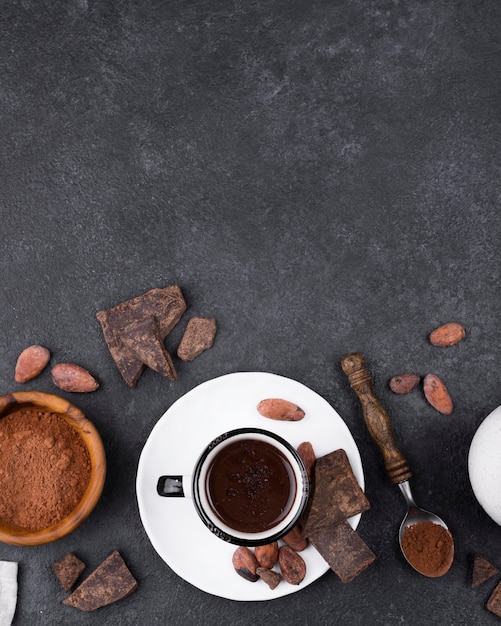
44 468
428 547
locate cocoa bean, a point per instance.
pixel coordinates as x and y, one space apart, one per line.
447 335
295 540
30 363
267 555
404 383
245 564
73 378
437 394
282 410
305 451
292 565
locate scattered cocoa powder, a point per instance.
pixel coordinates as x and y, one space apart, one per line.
44 468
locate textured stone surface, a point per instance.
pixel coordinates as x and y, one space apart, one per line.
319 177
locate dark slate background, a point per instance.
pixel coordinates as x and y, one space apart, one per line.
321 177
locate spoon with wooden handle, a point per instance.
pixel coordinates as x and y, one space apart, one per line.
380 428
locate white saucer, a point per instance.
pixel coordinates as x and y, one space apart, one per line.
484 465
172 524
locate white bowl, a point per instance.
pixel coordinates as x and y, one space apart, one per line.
484 465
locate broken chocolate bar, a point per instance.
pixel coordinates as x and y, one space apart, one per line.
109 582
198 336
343 549
144 340
483 570
68 569
166 305
336 493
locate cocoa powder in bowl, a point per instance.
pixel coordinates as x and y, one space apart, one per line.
45 468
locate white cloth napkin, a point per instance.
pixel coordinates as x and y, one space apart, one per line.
8 592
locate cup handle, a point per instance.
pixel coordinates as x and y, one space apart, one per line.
174 486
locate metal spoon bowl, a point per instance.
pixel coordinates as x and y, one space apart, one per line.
379 426
415 515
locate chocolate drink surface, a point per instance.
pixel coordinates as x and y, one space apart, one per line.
250 486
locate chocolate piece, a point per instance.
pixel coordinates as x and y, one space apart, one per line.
343 549
336 493
166 305
109 582
494 602
270 577
482 570
144 340
198 336
68 569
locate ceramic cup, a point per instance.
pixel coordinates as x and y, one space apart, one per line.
249 486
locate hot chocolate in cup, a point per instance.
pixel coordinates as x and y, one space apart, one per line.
249 486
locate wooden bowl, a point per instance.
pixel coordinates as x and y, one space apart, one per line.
44 401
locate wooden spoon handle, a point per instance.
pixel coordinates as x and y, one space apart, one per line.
376 418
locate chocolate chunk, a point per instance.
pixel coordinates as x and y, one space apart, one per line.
68 569
482 570
336 493
343 549
109 582
270 577
494 602
166 305
144 340
198 336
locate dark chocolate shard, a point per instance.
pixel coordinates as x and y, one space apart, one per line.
483 570
344 550
144 340
166 305
336 493
68 570
198 336
494 602
109 582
